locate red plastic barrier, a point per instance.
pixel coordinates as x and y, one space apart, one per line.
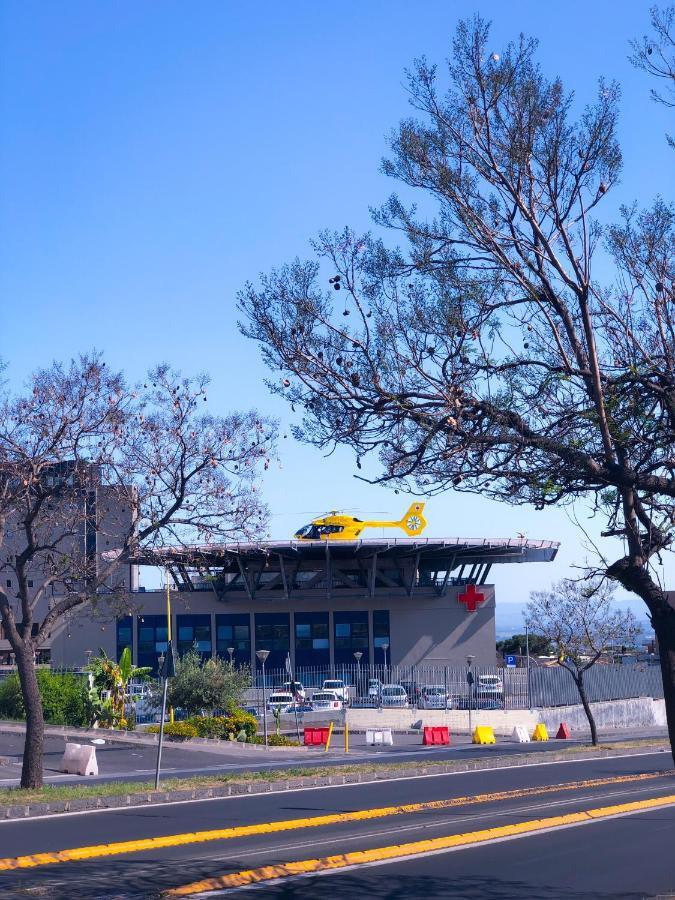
314 737
436 735
563 731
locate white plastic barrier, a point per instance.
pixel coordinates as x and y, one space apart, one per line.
520 734
379 736
79 759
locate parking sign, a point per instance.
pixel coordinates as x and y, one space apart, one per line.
510 662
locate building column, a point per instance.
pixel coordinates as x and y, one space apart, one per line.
214 636
251 632
291 638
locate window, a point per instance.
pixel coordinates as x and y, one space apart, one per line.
272 632
381 628
351 634
312 645
9 582
153 636
234 631
194 631
30 582
124 634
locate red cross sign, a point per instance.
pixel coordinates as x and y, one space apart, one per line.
471 597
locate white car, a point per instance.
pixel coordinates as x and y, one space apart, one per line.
326 700
300 691
434 696
337 686
280 700
393 695
490 687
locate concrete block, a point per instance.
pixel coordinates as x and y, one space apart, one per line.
381 736
79 759
540 733
520 734
483 734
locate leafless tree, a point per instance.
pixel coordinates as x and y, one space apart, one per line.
513 346
577 618
655 55
83 456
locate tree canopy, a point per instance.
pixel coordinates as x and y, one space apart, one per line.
515 343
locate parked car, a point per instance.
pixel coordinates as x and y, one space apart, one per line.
490 687
326 700
374 688
413 690
300 691
338 686
434 696
280 700
393 695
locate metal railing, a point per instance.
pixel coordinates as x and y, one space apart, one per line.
496 687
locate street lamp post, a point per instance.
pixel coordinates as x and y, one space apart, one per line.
357 657
469 681
527 661
230 650
167 670
262 656
385 647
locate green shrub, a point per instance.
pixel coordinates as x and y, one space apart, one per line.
11 703
176 731
280 740
238 725
209 726
65 698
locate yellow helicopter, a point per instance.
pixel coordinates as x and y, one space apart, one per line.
338 527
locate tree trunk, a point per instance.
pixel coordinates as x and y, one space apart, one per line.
31 773
579 679
637 580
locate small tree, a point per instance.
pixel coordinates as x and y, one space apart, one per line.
204 686
85 457
578 622
113 677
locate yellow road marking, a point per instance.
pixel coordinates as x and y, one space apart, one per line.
398 851
222 834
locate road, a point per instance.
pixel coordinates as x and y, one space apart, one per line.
136 762
477 834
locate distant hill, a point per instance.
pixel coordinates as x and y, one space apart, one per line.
510 617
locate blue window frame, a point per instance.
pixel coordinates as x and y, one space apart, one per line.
350 630
234 630
381 630
312 644
151 638
272 632
194 632
125 632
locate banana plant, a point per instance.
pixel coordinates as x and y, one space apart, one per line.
113 677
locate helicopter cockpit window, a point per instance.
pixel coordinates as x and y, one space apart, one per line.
311 532
331 529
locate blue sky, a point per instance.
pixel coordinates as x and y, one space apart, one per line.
155 156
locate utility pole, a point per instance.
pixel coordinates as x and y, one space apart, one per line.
262 656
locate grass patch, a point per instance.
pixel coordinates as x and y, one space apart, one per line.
63 793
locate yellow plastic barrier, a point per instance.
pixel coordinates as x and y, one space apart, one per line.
540 733
483 734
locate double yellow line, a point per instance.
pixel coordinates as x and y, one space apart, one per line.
399 851
117 848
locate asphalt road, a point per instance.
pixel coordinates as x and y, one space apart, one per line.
622 857
132 762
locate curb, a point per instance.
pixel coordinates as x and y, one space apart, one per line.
280 785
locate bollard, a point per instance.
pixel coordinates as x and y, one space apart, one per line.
520 735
